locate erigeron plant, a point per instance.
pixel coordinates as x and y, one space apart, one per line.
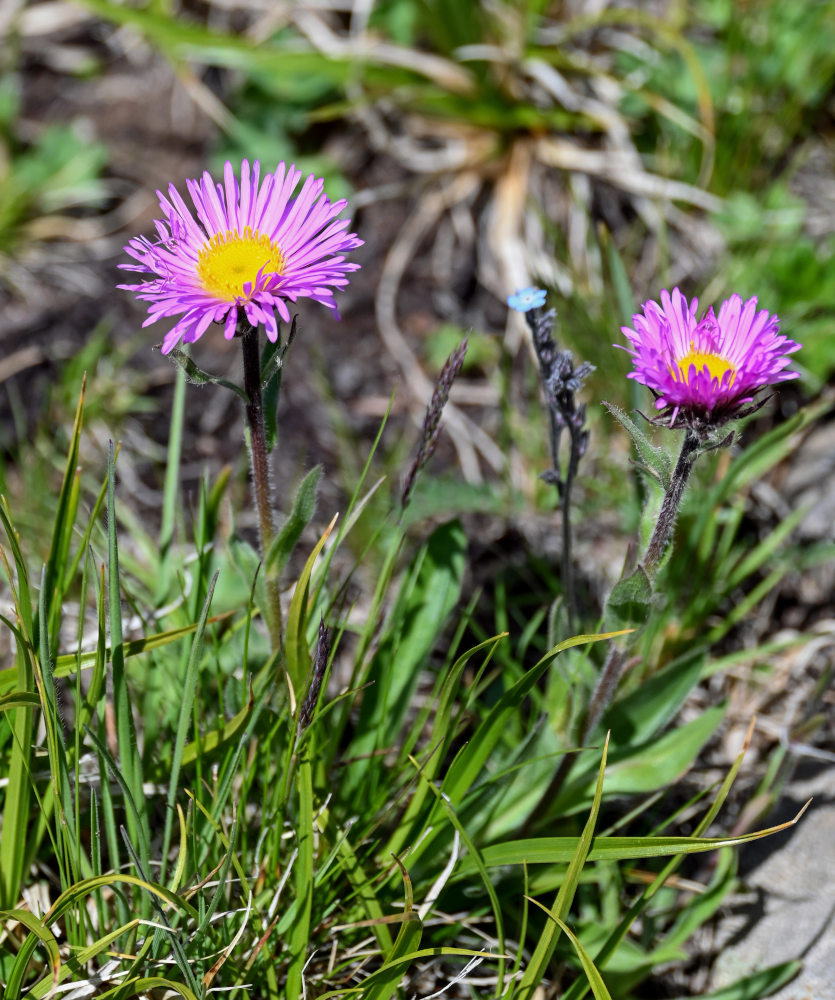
252 249
328 841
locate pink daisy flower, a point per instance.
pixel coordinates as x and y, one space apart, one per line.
706 369
251 248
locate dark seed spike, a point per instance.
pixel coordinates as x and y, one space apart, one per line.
317 675
431 429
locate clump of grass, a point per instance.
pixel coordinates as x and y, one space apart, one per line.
375 803
337 815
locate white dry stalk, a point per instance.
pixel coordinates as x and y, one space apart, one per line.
466 435
458 978
445 73
620 171
451 148
439 883
502 263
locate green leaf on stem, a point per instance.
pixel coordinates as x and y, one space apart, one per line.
200 377
296 649
304 504
630 599
654 460
272 367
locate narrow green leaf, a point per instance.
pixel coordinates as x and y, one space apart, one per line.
19 580
703 905
272 367
141 986
361 884
441 737
69 663
43 934
469 764
427 597
474 856
82 958
547 943
598 987
402 962
132 811
19 699
304 505
578 989
299 939
171 488
560 850
637 716
74 895
18 792
406 944
131 765
297 653
171 935
65 516
188 690
759 984
218 738
760 554
646 767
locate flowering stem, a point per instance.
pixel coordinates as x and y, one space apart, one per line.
672 500
261 479
574 434
561 380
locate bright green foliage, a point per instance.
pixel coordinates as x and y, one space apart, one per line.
277 838
59 171
196 835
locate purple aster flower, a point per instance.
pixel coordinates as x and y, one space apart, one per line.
526 299
251 248
706 369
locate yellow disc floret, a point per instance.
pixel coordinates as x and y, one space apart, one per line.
715 364
232 259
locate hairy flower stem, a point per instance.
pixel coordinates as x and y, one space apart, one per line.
615 663
672 500
261 479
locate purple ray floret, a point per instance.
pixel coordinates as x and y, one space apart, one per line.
246 249
708 368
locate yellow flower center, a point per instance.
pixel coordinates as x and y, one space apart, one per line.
230 260
715 364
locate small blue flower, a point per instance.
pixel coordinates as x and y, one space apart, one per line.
526 299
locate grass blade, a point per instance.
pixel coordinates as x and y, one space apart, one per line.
188 692
545 947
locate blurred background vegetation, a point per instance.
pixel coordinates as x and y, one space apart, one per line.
599 150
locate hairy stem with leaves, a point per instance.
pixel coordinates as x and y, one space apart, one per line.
672 501
261 477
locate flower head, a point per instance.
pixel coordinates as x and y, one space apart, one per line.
526 299
703 371
251 248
